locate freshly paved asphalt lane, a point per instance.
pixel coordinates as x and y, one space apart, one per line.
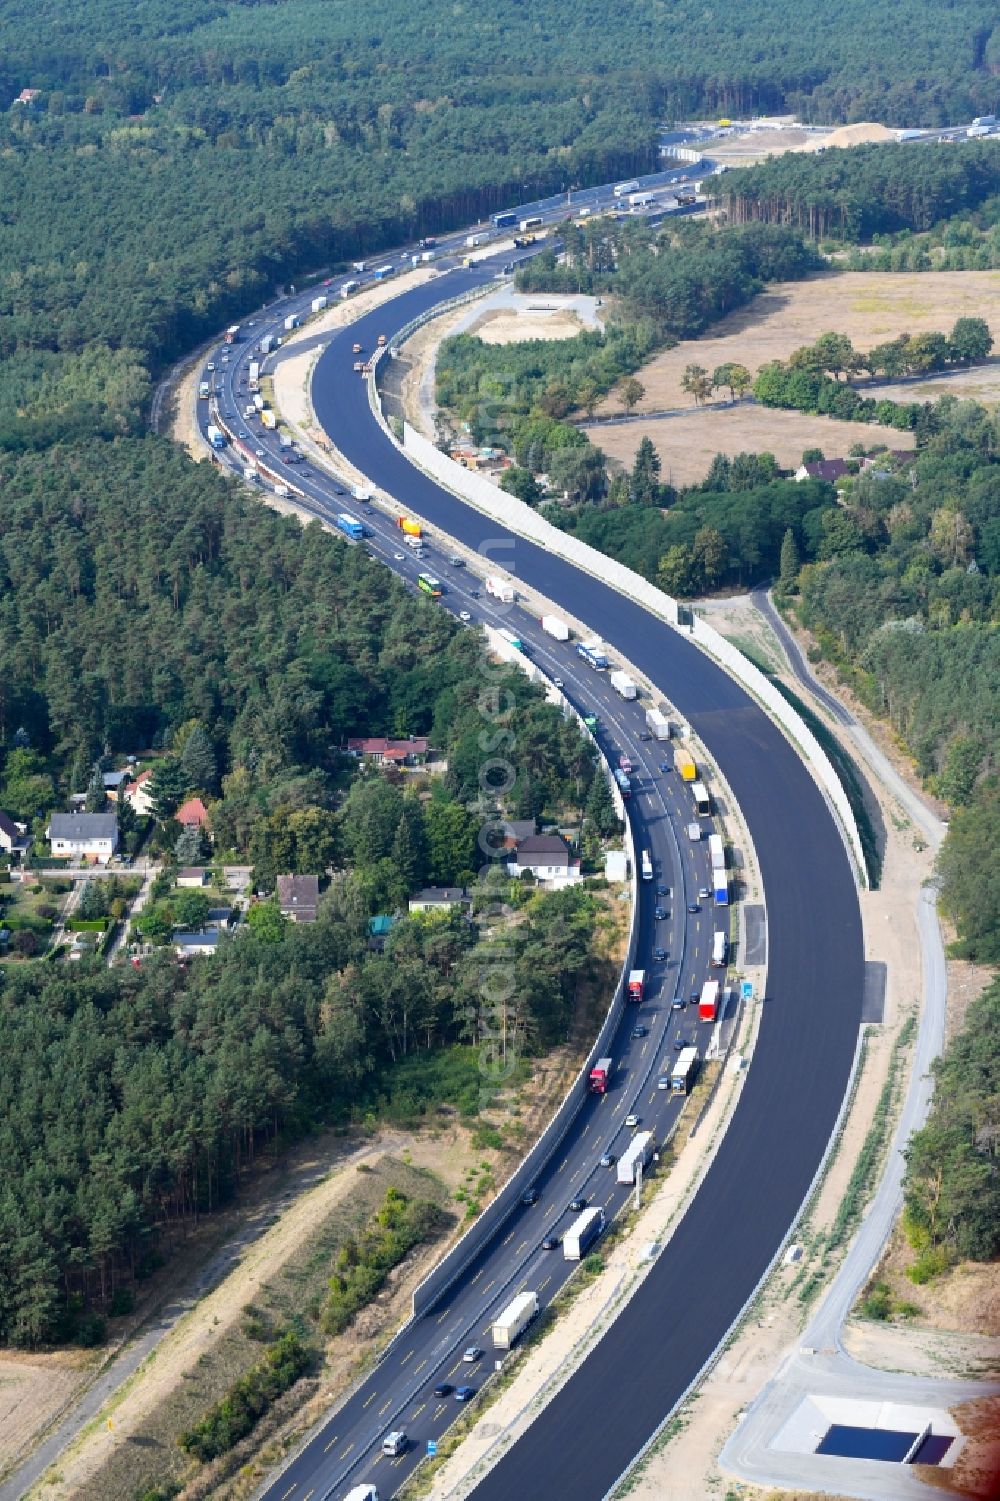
799 1071
797 1076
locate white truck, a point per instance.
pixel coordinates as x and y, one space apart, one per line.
511 1323
639 1150
473 240
582 1233
694 833
349 287
320 302
658 724
623 685
292 321
258 402
720 948
717 850
204 391
362 493
553 625
253 374
500 589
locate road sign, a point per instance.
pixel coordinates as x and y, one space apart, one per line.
746 990
432 1448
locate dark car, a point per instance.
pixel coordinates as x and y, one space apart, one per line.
679 1043
577 1204
443 1389
659 955
660 913
665 766
695 997
677 1004
693 907
640 1031
645 735
530 1196
550 1243
663 890
464 1393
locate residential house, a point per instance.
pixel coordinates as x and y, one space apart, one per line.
192 814
137 793
379 928
382 752
204 942
14 837
114 781
192 876
27 96
548 858
83 836
298 897
830 470
440 899
516 830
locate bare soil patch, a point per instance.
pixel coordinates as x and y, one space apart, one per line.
687 444
33 1390
504 327
870 307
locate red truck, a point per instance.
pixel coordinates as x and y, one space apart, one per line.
708 1006
600 1076
636 984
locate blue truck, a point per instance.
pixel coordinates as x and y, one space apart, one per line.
501 221
350 527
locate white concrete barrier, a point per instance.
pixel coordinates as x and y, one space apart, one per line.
520 518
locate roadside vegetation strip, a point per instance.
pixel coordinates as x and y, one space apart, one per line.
867 1166
248 1399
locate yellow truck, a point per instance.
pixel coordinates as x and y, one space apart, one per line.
684 762
407 525
269 419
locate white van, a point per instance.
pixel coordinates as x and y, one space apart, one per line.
395 1444
362 1493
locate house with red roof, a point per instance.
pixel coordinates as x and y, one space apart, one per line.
385 752
192 814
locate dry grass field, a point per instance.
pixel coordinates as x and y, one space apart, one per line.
870 307
687 444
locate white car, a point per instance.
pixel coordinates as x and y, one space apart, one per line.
259 452
398 557
464 615
557 683
632 1120
210 365
472 1354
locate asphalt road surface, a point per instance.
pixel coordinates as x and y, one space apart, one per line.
797 1077
615 1401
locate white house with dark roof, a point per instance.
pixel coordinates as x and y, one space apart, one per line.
440 899
14 837
549 859
83 836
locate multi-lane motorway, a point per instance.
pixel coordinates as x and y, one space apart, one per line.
797 1077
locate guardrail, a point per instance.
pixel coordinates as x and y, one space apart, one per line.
519 517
